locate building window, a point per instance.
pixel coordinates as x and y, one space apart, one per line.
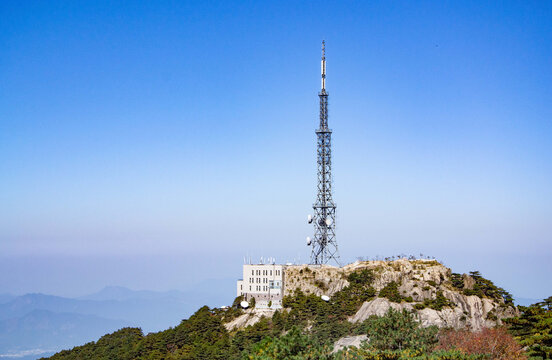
270 272
252 272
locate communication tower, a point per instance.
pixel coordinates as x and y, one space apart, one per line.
324 244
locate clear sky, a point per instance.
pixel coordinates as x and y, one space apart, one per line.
154 144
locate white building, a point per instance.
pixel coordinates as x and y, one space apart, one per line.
264 282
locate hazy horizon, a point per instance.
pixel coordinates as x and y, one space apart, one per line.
154 145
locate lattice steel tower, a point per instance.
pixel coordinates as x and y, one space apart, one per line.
324 245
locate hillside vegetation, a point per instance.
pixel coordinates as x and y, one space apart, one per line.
309 328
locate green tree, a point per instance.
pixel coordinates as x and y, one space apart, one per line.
391 292
533 329
397 330
293 346
547 303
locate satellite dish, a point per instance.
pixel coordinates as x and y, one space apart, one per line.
309 218
325 297
328 221
244 304
309 241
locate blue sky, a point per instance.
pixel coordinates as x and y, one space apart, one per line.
142 141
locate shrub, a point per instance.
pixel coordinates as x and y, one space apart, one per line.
237 301
438 303
371 354
234 311
397 330
391 292
496 342
363 277
293 345
457 281
320 284
492 316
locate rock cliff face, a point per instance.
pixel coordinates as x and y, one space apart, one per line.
249 317
423 286
469 311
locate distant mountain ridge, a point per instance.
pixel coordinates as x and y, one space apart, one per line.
4 298
47 330
121 293
39 323
160 312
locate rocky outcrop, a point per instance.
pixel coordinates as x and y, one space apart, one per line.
327 279
422 280
348 341
249 318
470 312
314 279
378 306
419 283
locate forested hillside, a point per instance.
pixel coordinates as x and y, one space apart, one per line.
309 328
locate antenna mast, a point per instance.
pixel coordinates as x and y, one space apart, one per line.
324 245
